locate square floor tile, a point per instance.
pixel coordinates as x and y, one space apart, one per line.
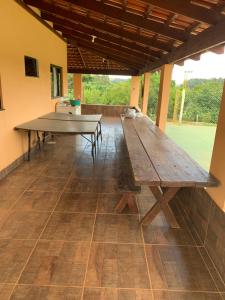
117 265
48 184
78 202
69 226
45 293
108 202
116 294
117 228
37 200
56 263
8 196
178 268
82 185
213 271
13 257
23 224
5 291
17 181
167 295
160 232
34 167
59 169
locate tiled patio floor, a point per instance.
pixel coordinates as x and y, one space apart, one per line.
60 238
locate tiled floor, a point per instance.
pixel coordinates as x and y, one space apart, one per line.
60 238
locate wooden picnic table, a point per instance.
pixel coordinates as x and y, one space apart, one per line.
161 164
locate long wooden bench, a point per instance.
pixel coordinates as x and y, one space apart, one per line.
156 161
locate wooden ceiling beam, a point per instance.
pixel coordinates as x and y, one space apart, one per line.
210 38
102 71
81 56
187 9
135 20
105 53
98 25
62 25
69 34
134 57
218 50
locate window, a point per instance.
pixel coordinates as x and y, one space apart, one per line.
1 101
56 81
31 66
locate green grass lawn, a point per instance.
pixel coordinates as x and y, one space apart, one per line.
196 140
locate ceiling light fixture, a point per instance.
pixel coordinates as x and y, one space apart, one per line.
93 38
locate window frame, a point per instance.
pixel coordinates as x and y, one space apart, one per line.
59 81
36 66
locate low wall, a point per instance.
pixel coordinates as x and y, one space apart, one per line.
206 221
105 110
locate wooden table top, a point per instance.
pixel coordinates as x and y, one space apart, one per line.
157 161
59 126
70 117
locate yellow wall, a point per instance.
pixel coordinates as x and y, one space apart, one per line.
24 98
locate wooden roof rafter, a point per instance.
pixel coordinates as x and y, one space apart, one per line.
95 63
141 35
116 13
136 57
65 25
187 9
104 52
213 37
97 25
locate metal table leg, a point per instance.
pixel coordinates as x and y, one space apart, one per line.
92 147
100 129
39 140
29 141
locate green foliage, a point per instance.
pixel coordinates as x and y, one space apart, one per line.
202 99
101 90
201 103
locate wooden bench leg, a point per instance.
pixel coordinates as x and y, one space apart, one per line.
163 199
127 199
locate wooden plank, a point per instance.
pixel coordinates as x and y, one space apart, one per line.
103 71
74 29
173 165
143 170
188 9
212 37
106 53
58 126
98 25
133 19
133 55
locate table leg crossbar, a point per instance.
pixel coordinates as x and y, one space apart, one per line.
128 199
163 196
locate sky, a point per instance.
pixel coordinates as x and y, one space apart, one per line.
210 65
